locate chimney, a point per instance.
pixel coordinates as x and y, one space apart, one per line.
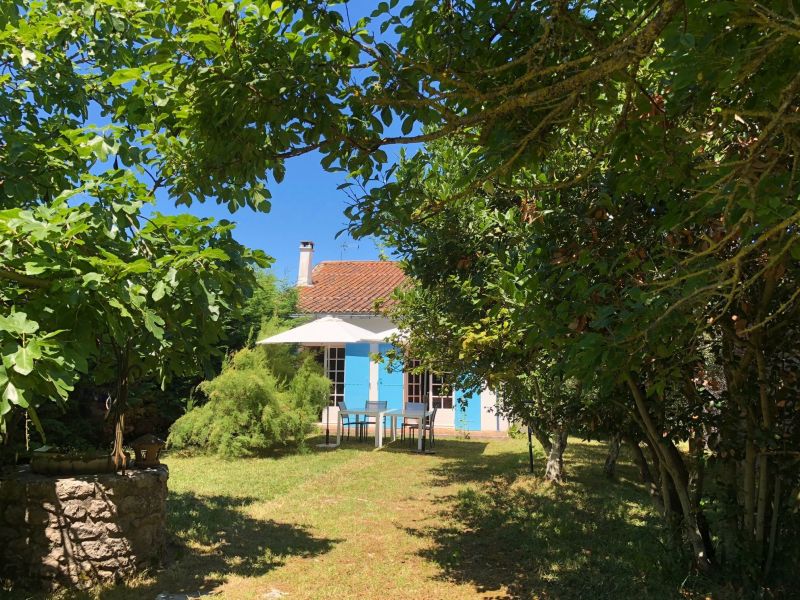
306 256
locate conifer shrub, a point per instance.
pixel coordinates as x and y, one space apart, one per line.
250 410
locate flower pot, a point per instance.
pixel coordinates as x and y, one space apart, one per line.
83 463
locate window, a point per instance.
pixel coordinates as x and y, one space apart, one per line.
428 387
415 384
334 369
441 392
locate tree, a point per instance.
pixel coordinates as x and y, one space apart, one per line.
138 297
270 300
88 279
501 281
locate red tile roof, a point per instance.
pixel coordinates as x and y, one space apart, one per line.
349 286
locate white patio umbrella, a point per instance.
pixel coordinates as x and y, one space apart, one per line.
325 330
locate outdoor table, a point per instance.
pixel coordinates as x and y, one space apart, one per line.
379 416
411 414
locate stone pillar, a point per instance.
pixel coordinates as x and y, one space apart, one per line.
79 531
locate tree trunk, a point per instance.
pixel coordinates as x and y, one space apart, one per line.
765 479
640 461
542 437
610 466
675 470
729 524
118 409
773 528
554 471
645 474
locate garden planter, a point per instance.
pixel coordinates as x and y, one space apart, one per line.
83 463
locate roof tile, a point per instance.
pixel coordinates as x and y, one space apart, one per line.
349 286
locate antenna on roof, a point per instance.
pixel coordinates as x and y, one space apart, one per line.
343 247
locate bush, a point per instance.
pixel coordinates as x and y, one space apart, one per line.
250 409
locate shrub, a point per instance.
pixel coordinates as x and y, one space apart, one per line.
251 410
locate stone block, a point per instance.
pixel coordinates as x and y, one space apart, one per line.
102 510
87 530
74 488
75 511
55 535
132 505
121 547
96 551
52 563
113 529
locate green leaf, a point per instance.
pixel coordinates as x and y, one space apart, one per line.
35 267
100 148
211 42
23 361
154 324
34 417
18 323
159 291
121 76
92 279
11 394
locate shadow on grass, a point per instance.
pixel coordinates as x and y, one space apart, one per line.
589 537
211 538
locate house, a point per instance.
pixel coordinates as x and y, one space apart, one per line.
341 296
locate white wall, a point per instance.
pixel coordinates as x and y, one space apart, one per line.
489 418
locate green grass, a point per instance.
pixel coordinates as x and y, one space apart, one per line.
466 522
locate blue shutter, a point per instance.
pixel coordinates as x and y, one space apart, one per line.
467 411
390 385
356 375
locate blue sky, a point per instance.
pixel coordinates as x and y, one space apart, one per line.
305 206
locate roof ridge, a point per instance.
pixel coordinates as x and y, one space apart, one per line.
388 262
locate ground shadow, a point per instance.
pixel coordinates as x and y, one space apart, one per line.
587 538
211 538
467 462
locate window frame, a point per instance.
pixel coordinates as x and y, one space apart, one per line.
424 385
335 373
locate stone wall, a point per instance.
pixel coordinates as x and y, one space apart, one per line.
77 531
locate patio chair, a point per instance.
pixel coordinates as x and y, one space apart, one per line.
427 427
349 421
412 422
363 426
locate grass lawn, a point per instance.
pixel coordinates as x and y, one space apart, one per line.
466 522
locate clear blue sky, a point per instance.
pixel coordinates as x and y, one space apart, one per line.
305 206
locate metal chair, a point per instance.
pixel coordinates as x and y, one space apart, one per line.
412 422
364 425
348 421
427 427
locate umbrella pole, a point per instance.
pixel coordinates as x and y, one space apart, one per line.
328 424
530 449
327 443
